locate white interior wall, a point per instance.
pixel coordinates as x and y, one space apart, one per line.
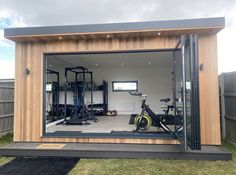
155 82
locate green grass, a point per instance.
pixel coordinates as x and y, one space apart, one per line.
150 166
3 141
146 166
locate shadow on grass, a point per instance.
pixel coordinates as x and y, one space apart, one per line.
45 166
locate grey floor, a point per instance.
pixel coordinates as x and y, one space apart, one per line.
106 124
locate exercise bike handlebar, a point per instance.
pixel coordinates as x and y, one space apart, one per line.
135 93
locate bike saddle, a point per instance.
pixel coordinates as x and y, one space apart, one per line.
165 100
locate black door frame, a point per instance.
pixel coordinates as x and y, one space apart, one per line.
195 122
191 140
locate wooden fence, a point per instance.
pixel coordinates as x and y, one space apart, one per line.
228 105
6 105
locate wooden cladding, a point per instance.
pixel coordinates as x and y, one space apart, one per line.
209 90
29 88
112 140
109 44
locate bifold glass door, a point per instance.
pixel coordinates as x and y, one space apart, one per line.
186 92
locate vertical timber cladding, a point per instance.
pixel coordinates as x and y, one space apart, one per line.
209 90
28 98
28 92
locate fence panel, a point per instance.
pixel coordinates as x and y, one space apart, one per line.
228 105
6 105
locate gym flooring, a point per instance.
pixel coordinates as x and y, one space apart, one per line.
106 124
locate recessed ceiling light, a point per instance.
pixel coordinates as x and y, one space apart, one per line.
149 63
50 65
159 33
122 64
60 38
96 64
108 36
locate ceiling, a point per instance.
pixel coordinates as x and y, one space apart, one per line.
112 60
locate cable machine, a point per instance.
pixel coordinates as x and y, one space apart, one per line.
80 113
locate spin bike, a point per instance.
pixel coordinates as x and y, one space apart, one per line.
148 118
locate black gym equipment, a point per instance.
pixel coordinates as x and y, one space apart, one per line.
54 91
148 118
101 109
167 118
79 112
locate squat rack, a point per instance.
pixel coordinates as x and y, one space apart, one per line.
80 70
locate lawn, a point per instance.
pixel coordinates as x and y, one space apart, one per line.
147 166
3 141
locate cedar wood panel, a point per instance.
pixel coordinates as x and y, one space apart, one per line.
28 88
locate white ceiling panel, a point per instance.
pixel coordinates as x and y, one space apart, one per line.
141 59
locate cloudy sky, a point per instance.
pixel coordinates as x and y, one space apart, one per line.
23 13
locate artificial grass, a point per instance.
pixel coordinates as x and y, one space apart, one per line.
155 166
6 139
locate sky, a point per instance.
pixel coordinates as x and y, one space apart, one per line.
24 13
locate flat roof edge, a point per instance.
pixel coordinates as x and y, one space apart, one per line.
218 22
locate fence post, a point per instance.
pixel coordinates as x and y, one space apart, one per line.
222 104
